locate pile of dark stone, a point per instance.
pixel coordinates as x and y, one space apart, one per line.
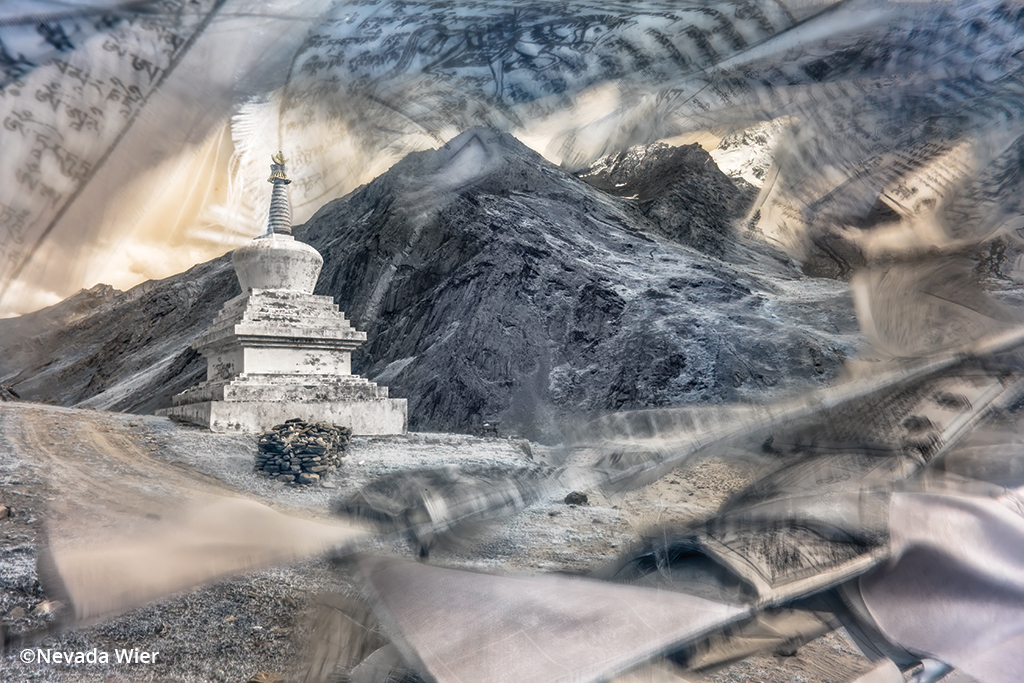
301 453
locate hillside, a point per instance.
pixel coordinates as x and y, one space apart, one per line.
494 286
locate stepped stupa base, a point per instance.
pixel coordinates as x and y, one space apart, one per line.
364 417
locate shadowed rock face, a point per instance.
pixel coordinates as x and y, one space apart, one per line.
128 351
495 286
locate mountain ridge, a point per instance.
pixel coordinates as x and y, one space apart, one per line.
493 286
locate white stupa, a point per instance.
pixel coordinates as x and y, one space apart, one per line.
277 351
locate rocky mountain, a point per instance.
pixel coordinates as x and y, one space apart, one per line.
495 286
680 190
129 352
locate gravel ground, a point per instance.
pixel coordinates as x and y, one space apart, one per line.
233 629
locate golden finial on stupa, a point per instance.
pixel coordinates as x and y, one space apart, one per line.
277 171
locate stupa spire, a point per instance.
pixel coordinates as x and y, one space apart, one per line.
280 221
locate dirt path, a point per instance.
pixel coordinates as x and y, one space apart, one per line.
93 466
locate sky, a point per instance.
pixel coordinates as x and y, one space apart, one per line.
137 136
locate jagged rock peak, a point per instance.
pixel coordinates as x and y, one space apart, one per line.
644 172
478 155
483 142
680 189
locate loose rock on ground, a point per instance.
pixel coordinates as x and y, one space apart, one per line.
301 453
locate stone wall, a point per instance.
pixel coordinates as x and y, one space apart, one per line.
301 453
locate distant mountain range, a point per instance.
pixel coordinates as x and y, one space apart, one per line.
493 286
